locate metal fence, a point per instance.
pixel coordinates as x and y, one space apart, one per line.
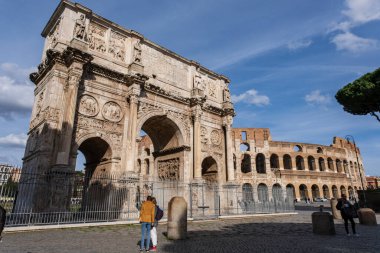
37 199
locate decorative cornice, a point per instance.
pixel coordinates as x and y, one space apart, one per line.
72 54
171 151
213 109
52 56
159 91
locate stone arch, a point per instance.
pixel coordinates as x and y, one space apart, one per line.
247 190
321 163
335 192
345 166
315 191
262 192
274 162
277 193
351 194
147 166
319 150
311 163
210 170
290 192
287 162
139 170
343 190
304 194
330 164
297 148
326 192
260 163
244 147
300 163
338 165
246 164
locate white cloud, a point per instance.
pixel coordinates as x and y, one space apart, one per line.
14 141
294 45
362 11
16 92
251 97
316 98
351 42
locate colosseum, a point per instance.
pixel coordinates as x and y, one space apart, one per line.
264 166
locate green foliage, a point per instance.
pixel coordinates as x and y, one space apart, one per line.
362 96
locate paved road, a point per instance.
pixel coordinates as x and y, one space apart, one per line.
292 233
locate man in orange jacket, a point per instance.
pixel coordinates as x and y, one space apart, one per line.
147 213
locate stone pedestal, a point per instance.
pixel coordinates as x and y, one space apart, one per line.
323 223
177 219
367 217
335 212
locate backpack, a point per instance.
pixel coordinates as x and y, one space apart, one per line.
159 213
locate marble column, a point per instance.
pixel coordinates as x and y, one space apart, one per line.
197 114
134 93
229 153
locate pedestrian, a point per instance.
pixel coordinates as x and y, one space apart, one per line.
347 211
153 231
147 214
2 220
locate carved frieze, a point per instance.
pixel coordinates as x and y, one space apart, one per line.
96 38
48 114
54 34
93 123
137 52
158 90
112 111
145 108
215 137
88 106
226 95
204 134
117 46
168 169
212 89
80 28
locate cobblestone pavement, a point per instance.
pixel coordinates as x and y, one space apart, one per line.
290 233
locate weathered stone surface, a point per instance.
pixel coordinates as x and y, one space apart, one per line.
367 217
323 223
177 219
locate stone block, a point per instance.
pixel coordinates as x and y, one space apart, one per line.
367 217
177 219
323 223
335 212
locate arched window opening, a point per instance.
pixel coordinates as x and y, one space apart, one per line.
247 192
147 168
138 166
244 135
210 170
297 148
244 147
260 163
290 193
326 193
311 163
262 192
321 162
345 166
234 158
351 193
147 151
300 163
319 150
343 190
246 164
330 164
274 162
303 192
287 162
277 193
335 192
315 191
338 165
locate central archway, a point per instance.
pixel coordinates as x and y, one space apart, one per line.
210 170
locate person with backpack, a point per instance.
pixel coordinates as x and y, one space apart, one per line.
347 211
153 232
147 214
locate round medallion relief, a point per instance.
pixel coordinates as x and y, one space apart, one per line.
88 106
215 137
112 111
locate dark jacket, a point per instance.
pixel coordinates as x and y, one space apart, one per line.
346 208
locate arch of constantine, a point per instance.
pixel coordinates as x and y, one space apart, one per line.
99 85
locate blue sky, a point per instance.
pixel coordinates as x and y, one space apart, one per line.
286 60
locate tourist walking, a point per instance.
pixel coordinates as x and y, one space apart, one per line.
157 216
147 214
2 220
347 211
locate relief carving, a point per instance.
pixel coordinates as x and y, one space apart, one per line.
88 106
137 53
112 111
168 169
92 123
215 137
204 137
54 34
226 95
80 28
48 113
96 38
199 82
117 46
39 102
212 90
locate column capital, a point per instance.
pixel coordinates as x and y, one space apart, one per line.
227 121
197 113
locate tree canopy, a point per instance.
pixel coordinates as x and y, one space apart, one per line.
362 96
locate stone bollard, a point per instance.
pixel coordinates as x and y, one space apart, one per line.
323 223
335 212
177 219
367 217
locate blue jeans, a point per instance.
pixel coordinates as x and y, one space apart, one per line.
145 228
